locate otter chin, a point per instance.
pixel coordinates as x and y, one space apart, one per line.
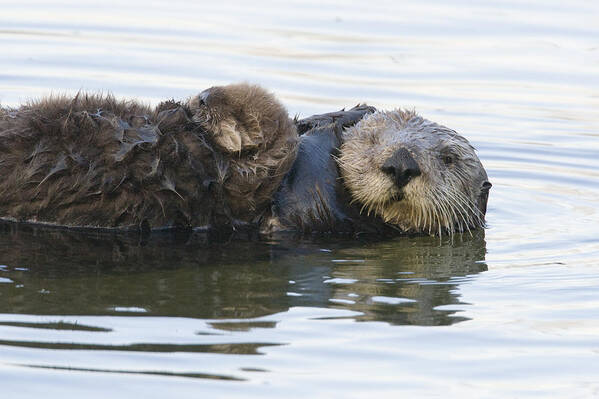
413 173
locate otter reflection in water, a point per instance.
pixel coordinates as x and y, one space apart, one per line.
58 272
229 158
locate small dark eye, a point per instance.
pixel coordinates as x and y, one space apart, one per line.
448 159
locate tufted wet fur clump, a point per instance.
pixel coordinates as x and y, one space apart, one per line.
414 174
94 161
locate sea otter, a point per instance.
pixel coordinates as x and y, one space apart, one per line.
229 158
389 172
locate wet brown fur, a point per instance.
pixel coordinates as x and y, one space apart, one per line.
94 161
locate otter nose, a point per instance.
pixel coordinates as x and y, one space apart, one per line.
401 167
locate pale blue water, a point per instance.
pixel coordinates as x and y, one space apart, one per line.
513 312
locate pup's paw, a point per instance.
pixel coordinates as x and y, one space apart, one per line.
239 117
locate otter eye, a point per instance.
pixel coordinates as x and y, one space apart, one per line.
448 159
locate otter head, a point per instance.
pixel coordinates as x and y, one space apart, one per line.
413 173
256 144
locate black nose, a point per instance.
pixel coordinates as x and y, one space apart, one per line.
402 167
486 186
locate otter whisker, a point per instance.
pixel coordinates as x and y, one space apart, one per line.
447 215
438 213
462 218
429 214
475 212
473 219
463 213
459 216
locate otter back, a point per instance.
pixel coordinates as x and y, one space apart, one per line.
96 162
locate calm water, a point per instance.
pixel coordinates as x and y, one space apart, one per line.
509 312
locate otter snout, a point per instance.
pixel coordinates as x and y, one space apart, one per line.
401 167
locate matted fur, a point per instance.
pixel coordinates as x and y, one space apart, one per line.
94 161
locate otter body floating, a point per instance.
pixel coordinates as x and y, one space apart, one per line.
231 158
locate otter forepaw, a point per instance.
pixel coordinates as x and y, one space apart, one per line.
231 136
227 119
342 119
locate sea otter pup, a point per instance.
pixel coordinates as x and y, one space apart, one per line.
231 157
93 161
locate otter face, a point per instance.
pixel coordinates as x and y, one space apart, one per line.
413 173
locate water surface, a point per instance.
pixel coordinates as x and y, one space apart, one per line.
509 312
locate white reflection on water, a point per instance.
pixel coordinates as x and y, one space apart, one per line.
519 79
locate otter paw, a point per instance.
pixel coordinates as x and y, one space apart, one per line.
238 117
342 119
232 136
